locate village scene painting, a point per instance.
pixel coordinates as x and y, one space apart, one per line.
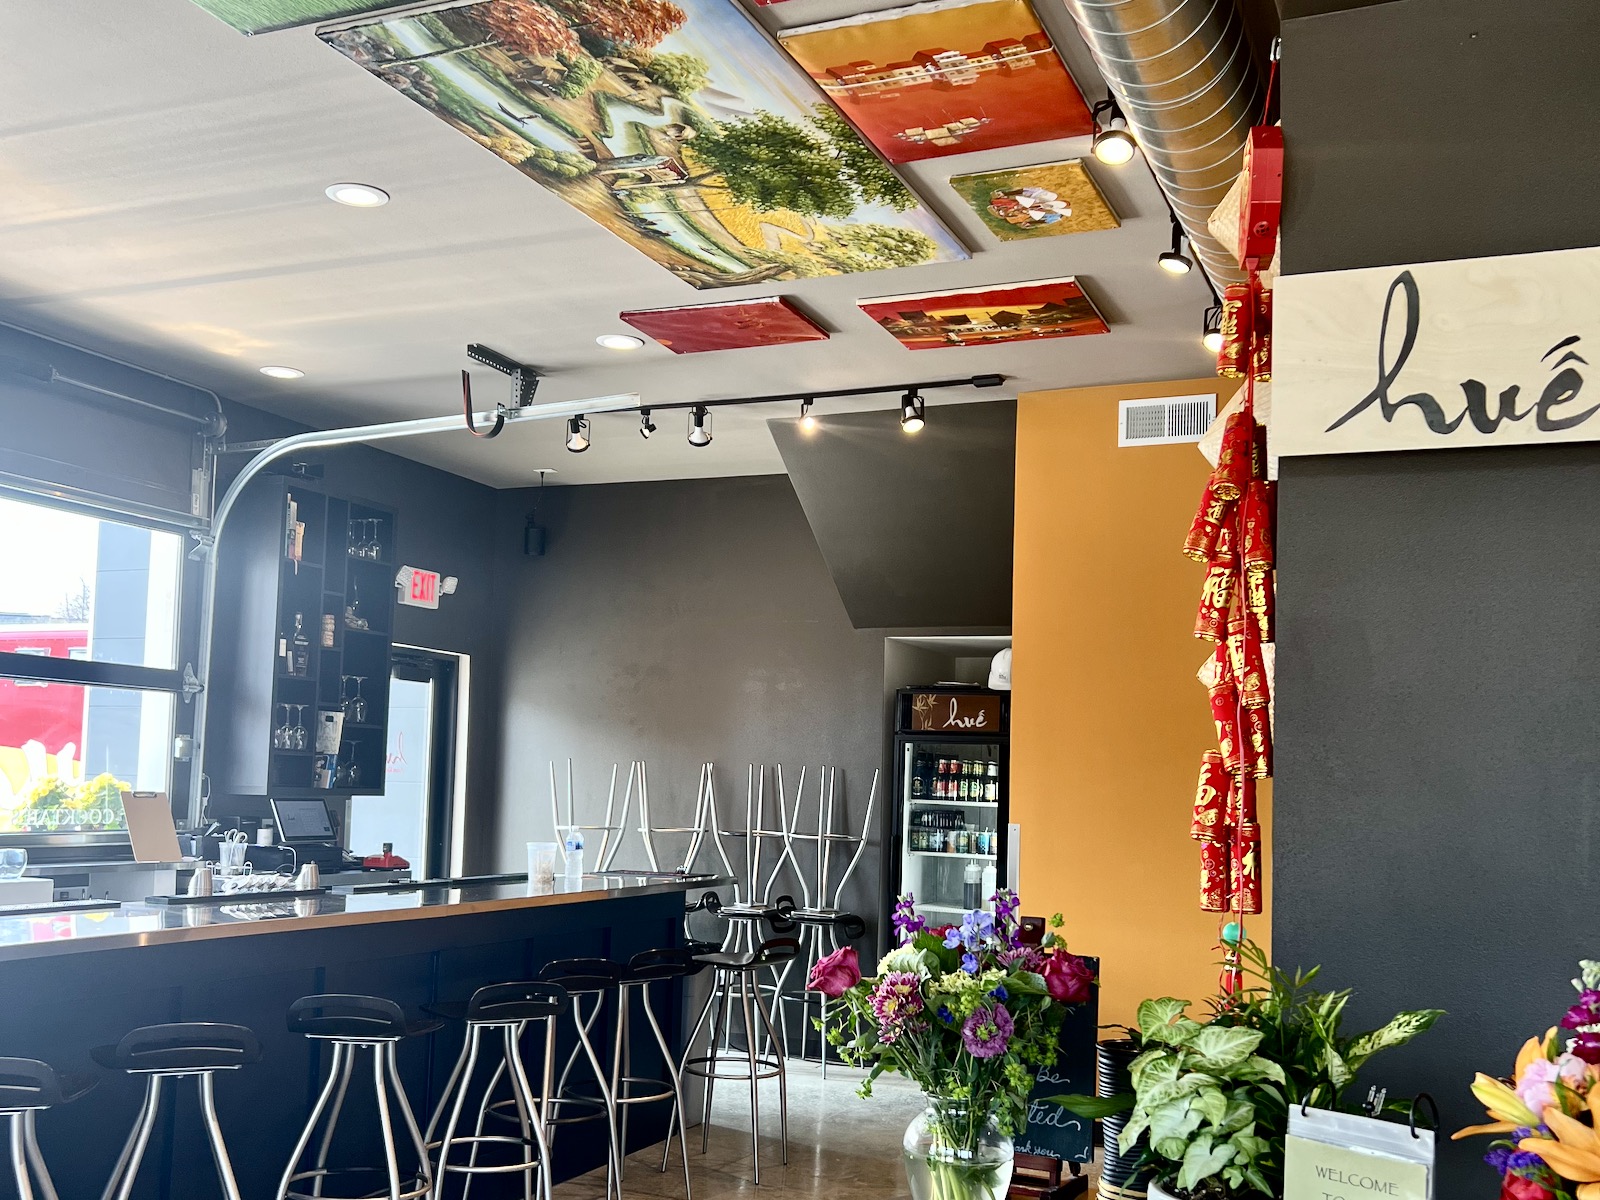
942 78
673 123
1012 312
1039 201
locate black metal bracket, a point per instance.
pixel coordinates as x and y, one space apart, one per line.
524 378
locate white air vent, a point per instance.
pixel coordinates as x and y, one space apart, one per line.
1164 419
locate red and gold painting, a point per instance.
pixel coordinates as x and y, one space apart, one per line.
943 78
1013 312
730 325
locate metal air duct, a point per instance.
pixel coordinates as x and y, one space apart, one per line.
1183 73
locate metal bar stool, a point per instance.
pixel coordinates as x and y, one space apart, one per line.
188 1049
506 1009
592 979
751 1065
643 969
350 1024
26 1086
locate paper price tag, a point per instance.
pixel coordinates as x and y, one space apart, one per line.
1340 1156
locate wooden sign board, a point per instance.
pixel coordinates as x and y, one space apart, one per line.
955 712
1052 1131
1475 352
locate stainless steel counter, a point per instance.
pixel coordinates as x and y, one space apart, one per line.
136 924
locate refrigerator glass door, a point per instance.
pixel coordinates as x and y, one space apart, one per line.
949 835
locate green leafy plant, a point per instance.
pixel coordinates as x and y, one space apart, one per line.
1214 1096
1197 1090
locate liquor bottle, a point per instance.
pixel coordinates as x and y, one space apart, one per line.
919 785
991 785
299 648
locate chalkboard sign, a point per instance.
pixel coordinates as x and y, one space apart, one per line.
1052 1131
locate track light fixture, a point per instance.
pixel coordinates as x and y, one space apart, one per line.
1211 335
578 433
807 421
1175 261
699 426
1113 144
646 425
913 412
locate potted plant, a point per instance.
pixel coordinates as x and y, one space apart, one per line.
1550 1107
1214 1096
970 1013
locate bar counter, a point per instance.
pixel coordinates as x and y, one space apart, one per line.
72 981
68 931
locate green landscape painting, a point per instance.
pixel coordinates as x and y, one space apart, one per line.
675 124
263 16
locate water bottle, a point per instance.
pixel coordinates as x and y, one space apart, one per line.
574 848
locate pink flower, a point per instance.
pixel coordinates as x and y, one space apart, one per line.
1538 1087
897 1003
836 974
1069 978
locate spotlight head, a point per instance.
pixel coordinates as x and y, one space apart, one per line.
699 426
913 412
1211 335
646 425
1113 147
1113 144
578 433
807 422
1174 262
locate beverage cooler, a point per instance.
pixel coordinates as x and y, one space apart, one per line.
951 781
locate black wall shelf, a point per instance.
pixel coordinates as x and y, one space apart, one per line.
261 588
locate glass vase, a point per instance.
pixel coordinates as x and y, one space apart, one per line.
954 1150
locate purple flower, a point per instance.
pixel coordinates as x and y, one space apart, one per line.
945 1014
969 963
987 1032
1000 993
897 1003
906 919
1006 924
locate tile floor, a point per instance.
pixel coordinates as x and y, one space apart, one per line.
841 1147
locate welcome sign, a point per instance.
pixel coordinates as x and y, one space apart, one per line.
1474 352
1342 1156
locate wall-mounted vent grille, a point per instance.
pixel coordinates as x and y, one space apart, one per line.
1164 419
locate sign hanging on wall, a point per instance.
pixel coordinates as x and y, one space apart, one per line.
421 588
1474 352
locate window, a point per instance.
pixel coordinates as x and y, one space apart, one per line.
89 665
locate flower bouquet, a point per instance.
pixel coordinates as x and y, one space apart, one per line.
1550 1107
970 1013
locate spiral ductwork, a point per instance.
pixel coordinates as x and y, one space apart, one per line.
1183 73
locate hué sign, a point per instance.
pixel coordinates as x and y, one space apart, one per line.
1476 352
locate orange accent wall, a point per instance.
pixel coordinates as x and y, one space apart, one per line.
1108 720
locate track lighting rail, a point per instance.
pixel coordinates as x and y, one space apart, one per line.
977 381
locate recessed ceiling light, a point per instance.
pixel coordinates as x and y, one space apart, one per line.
619 341
283 372
357 195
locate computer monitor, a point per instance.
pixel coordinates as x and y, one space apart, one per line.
303 821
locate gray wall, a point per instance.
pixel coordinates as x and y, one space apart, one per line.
678 623
446 523
1437 654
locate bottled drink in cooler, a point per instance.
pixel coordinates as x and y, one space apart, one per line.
991 784
972 886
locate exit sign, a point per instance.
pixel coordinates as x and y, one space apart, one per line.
418 588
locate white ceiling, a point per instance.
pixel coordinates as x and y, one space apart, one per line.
161 198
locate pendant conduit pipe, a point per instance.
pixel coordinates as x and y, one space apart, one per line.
1184 76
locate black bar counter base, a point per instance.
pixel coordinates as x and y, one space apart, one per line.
74 980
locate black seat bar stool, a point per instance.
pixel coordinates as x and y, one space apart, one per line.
643 969
593 979
26 1086
187 1049
506 1009
752 1065
815 924
350 1024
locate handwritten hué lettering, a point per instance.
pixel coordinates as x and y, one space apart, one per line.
1550 412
